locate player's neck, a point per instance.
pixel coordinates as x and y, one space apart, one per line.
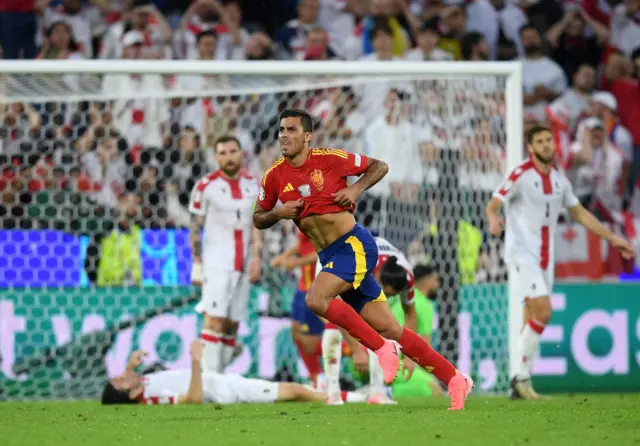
541 167
300 158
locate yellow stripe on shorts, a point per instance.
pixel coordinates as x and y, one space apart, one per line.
361 260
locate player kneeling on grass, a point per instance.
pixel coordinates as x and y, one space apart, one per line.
196 386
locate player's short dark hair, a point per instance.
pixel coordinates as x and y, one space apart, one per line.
206 33
305 118
224 139
393 274
421 270
533 131
111 395
381 25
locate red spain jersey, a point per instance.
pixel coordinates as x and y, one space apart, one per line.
308 271
324 173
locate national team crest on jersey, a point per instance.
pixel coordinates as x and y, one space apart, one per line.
305 190
317 179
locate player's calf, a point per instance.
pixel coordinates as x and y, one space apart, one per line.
539 311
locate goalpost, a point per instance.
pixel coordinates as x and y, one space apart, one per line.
79 134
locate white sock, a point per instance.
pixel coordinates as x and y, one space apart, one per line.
529 346
228 346
331 357
355 397
212 353
376 375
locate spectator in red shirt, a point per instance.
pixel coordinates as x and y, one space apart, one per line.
620 82
18 27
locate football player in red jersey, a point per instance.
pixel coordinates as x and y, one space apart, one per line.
306 326
312 185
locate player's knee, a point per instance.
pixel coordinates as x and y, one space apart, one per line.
316 303
544 314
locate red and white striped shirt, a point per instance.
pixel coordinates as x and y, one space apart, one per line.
533 202
227 206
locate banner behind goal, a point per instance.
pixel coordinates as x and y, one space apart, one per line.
87 146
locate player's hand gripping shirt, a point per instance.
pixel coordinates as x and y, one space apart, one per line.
227 206
324 173
533 203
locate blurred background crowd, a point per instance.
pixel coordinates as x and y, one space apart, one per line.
110 167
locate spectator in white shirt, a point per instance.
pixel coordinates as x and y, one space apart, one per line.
372 94
598 168
338 17
625 26
195 111
106 169
86 22
427 48
147 20
499 21
543 79
398 191
317 45
139 119
293 34
574 104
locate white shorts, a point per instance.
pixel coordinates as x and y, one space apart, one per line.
233 389
225 294
531 281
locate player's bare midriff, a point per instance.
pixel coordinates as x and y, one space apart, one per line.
325 229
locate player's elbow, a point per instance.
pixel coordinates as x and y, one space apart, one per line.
383 167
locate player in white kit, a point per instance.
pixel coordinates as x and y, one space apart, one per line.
395 275
228 258
535 194
197 386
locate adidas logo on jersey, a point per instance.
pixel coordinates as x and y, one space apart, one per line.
288 188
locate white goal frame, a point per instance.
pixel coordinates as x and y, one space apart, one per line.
512 71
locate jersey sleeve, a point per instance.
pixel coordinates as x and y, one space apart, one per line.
569 199
348 164
268 193
197 201
509 188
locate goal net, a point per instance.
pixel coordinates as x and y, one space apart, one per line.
98 161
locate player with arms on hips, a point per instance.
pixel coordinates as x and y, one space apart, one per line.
306 326
394 273
222 203
198 386
312 185
535 193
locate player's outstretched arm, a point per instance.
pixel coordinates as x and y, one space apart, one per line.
194 393
195 237
589 221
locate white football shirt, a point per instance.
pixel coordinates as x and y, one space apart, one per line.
227 206
387 250
166 386
533 202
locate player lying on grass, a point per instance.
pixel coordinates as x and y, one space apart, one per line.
196 386
312 186
395 276
535 193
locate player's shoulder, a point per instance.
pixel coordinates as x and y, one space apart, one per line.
207 179
522 171
275 166
559 177
321 153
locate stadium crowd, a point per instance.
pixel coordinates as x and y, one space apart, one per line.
121 163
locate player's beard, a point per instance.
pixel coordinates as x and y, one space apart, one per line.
230 169
544 159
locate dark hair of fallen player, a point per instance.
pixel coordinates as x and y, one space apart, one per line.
305 118
393 274
533 131
111 395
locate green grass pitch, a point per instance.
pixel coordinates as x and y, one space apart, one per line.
582 420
